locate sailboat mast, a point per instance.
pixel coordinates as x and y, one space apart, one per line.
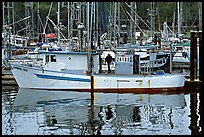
58 22
131 12
97 27
115 11
179 5
13 18
200 15
3 17
88 40
68 20
173 25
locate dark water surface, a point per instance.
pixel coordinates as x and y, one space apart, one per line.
44 112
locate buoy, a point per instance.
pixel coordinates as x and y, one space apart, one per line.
84 72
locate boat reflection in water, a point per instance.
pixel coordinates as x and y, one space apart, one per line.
74 113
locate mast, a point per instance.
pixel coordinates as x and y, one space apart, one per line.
9 29
200 15
136 20
38 22
13 19
131 12
89 49
97 28
173 25
179 18
152 18
115 10
68 11
3 18
118 37
58 22
181 14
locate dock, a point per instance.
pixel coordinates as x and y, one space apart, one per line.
8 79
192 86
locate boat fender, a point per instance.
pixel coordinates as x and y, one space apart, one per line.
160 72
84 72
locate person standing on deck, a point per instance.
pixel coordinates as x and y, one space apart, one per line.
108 59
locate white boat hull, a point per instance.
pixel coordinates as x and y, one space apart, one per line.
35 78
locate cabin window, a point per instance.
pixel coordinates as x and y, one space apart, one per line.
53 58
179 48
47 58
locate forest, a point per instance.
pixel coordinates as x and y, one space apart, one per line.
164 12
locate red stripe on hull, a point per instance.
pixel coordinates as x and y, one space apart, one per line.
175 90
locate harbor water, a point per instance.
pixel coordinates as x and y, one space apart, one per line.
49 112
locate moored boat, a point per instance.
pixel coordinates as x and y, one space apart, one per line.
70 70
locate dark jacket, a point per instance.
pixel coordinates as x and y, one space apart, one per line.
108 59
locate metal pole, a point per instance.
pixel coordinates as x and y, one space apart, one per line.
153 17
33 26
38 22
110 26
179 23
115 4
181 14
136 20
13 19
9 29
173 25
97 29
200 16
118 43
88 44
3 17
131 13
68 27
58 22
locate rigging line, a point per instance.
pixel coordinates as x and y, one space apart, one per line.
16 15
50 30
169 29
40 20
47 17
140 17
19 21
194 20
133 20
144 22
58 29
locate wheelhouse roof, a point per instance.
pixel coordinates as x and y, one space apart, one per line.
67 52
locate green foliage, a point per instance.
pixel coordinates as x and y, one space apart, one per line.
165 12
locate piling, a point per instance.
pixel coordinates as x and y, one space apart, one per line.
193 115
195 82
200 56
92 89
201 79
193 57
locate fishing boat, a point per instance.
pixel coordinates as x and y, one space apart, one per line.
80 69
181 58
150 56
73 71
